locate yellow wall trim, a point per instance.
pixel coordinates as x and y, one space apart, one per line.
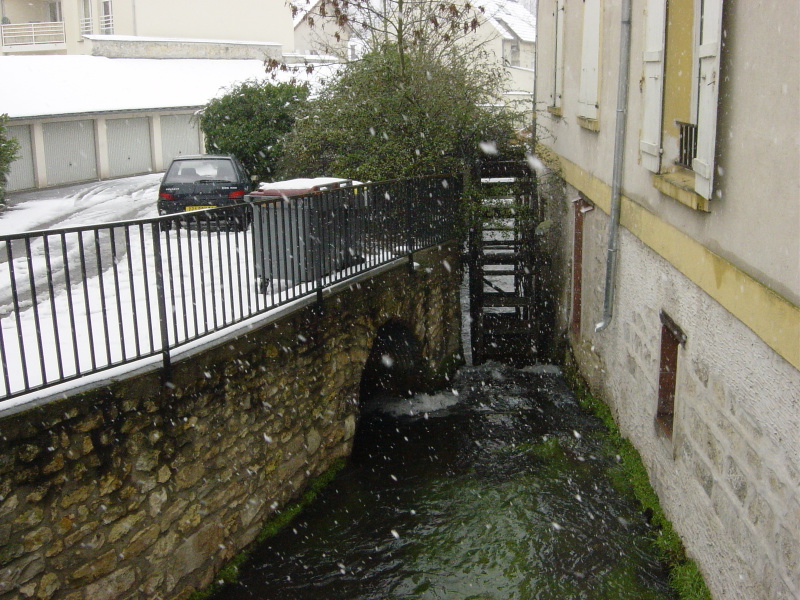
770 316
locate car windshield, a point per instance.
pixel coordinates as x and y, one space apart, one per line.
190 171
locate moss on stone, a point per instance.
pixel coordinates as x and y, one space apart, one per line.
631 477
230 572
549 448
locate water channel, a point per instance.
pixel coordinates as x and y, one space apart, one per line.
499 488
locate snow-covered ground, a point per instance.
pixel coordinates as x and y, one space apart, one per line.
71 303
74 302
82 204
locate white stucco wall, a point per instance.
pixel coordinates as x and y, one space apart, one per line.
321 38
755 212
238 20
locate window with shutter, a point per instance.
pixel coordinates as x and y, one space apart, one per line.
590 60
707 96
551 43
558 66
650 143
680 93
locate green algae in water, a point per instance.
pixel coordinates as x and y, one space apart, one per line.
630 477
505 496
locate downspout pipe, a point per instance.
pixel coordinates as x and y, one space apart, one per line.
619 154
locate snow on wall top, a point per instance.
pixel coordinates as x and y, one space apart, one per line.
73 84
140 38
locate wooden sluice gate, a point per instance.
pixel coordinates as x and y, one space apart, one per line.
502 264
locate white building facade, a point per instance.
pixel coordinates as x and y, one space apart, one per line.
62 26
700 359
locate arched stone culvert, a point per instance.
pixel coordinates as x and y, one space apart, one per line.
395 365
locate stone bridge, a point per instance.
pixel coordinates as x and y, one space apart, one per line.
144 488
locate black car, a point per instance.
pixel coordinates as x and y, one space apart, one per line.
205 181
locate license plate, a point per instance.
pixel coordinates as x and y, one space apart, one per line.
188 208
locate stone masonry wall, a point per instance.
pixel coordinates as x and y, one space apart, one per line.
144 489
160 49
729 479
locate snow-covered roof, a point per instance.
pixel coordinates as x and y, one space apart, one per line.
302 11
36 86
511 19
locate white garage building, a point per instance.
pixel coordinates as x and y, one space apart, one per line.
71 148
82 118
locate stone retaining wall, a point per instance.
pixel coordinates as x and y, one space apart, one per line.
729 476
138 47
143 489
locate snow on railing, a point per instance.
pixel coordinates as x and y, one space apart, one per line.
82 300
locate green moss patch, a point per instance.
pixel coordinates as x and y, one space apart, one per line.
630 476
230 572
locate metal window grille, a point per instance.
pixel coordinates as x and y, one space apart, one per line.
687 143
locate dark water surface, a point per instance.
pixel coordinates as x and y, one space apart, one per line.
499 489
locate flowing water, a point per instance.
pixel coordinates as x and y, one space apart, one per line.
498 489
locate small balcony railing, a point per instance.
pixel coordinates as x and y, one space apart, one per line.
32 34
86 26
687 144
107 24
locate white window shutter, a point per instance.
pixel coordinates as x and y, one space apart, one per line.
559 58
655 26
590 59
707 97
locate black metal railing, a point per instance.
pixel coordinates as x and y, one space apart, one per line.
86 300
687 142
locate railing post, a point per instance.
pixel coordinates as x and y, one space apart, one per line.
161 298
318 241
408 197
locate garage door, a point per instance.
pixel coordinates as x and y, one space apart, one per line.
22 175
69 151
179 135
129 150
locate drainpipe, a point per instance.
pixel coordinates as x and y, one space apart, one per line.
133 14
619 152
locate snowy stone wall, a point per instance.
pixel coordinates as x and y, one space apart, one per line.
729 479
144 490
160 48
